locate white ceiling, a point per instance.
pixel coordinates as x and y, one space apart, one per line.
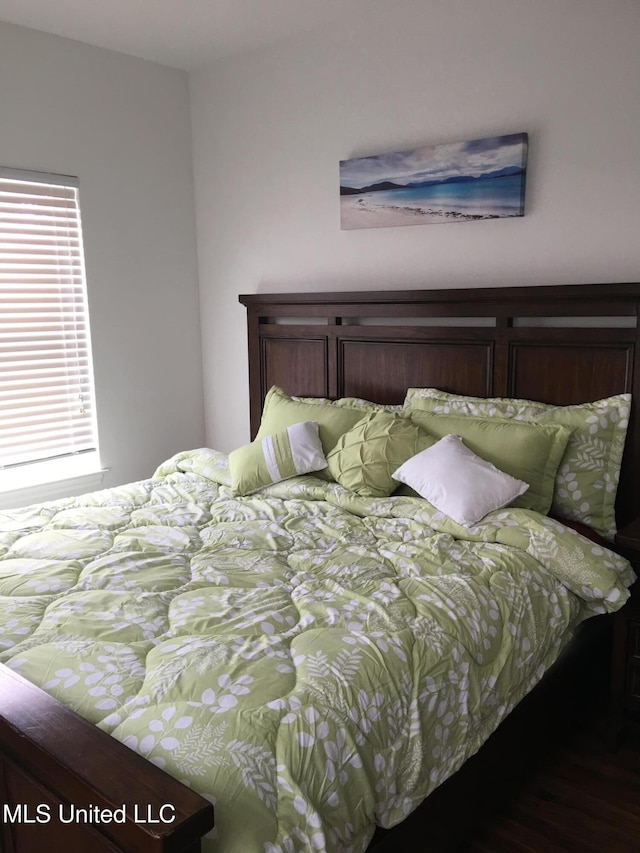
179 33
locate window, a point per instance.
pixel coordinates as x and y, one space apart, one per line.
47 409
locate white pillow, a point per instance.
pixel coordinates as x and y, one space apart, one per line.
457 482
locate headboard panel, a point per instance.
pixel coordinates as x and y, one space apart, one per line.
300 361
561 345
570 366
374 366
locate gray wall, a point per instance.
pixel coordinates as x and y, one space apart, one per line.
270 127
122 126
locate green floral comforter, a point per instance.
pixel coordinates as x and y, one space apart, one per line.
312 662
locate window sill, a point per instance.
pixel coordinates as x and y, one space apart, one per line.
49 481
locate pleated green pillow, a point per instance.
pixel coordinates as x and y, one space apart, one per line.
366 456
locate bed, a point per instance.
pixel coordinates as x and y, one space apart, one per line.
287 659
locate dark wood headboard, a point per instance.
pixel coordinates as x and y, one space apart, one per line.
561 344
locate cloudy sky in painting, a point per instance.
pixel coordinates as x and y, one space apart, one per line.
454 159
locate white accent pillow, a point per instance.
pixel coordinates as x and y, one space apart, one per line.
457 482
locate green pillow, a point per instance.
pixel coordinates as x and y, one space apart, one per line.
280 411
528 452
587 479
355 403
294 450
364 458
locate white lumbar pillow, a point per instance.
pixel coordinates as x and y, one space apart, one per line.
457 482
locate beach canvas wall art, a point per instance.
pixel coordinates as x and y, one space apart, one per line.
455 182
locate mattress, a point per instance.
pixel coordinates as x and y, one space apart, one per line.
313 662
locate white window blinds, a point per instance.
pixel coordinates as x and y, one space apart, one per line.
46 381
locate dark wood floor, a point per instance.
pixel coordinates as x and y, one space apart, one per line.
580 799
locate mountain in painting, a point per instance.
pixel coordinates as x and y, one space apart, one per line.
372 188
506 172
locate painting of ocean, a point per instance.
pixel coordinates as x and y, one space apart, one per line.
456 182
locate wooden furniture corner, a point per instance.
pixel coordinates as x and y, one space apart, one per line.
51 759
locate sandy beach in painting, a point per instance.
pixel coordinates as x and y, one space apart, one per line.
370 212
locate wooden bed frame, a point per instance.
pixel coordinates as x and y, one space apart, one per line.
561 345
